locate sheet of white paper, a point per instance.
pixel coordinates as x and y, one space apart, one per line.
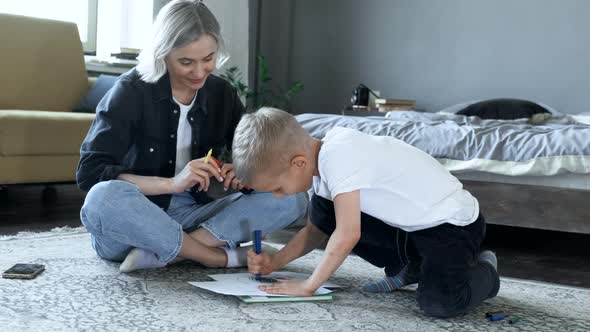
240 284
280 275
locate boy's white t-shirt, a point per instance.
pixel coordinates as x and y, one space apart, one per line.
183 136
399 184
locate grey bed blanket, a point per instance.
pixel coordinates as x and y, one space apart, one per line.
462 144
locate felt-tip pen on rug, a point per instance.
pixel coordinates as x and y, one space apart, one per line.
257 247
513 320
497 316
490 313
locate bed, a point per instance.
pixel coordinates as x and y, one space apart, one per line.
523 174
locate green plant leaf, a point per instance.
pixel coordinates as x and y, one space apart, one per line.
265 94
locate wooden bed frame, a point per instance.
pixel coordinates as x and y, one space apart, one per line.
550 208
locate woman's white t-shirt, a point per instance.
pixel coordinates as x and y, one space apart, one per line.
399 184
183 136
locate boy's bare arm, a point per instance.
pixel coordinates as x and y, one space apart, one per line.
306 240
345 237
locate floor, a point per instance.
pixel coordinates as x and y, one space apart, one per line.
549 256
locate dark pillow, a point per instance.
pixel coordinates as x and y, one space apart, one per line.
503 109
89 102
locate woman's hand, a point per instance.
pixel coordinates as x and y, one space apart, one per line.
227 171
196 171
289 287
260 263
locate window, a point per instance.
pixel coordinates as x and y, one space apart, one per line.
83 13
123 25
113 26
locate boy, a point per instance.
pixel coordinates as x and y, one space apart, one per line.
388 202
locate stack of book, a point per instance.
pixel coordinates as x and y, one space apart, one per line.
390 104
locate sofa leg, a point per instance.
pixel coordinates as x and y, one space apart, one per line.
49 195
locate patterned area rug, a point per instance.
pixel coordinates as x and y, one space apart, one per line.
79 291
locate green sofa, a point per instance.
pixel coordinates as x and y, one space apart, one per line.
42 78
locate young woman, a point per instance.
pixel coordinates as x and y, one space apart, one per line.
143 161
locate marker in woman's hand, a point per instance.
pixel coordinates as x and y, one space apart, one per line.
208 155
220 178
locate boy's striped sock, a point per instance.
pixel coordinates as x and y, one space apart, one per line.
407 276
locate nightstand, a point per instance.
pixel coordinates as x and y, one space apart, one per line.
369 111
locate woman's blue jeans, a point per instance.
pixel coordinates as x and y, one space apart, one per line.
119 218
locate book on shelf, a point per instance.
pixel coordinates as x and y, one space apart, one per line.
395 108
392 101
270 299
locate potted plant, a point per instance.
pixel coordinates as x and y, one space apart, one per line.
265 94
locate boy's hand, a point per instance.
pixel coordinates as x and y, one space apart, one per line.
260 263
290 287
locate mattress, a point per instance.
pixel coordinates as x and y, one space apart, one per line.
469 144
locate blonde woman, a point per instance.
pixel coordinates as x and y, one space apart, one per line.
143 163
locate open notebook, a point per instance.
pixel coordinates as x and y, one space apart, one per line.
245 287
269 299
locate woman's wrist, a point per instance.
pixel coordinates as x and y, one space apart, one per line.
169 185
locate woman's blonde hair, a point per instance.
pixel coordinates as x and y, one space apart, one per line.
178 24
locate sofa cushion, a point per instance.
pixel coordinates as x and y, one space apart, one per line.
102 85
42 65
41 133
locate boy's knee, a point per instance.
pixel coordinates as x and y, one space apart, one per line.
442 305
442 308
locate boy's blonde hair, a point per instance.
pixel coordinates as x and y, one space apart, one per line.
265 141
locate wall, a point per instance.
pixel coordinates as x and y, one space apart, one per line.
233 16
437 52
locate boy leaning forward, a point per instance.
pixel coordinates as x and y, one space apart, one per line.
388 202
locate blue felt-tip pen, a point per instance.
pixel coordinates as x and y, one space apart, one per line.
497 316
257 247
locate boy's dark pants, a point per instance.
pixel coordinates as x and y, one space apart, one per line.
451 277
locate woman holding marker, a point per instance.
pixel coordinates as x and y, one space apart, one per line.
144 160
